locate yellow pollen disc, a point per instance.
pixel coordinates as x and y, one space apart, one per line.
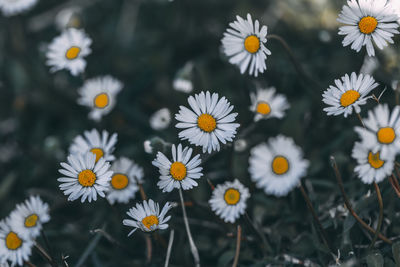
349 97
119 181
31 220
232 196
72 52
98 152
386 135
367 25
263 108
101 100
87 178
149 221
280 165
206 122
252 44
13 241
178 170
374 160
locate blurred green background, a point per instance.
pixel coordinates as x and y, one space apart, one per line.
145 44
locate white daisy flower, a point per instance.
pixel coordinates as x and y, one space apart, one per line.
161 119
244 44
68 50
228 200
382 132
371 166
278 166
100 95
123 184
102 146
148 148
208 123
29 216
84 177
396 7
183 85
181 172
368 20
266 104
147 217
14 247
348 94
14 7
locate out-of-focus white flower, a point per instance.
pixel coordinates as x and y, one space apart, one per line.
14 7
161 119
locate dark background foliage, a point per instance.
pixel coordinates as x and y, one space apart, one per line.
144 44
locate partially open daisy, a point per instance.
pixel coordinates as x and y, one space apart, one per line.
244 44
228 200
29 216
14 7
68 50
382 132
348 94
103 146
123 183
266 104
84 177
147 217
208 123
372 167
368 20
278 166
99 94
181 172
14 247
160 119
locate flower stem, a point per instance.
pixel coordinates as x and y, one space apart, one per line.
238 240
359 117
378 227
348 205
170 242
193 247
316 219
43 253
30 264
394 183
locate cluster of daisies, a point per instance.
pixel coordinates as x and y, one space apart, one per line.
20 229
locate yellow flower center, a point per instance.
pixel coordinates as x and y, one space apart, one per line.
374 160
31 220
367 25
178 170
280 165
149 221
13 241
87 178
232 196
386 135
349 97
101 100
252 44
263 108
119 181
98 152
72 52
206 122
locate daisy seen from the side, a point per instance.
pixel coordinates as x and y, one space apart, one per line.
181 172
277 166
367 21
349 92
147 217
84 177
228 200
100 95
208 122
68 51
244 44
265 103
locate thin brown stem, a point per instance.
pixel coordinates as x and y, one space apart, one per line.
49 247
392 182
141 190
43 253
324 236
149 248
30 264
348 205
238 240
359 117
378 227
